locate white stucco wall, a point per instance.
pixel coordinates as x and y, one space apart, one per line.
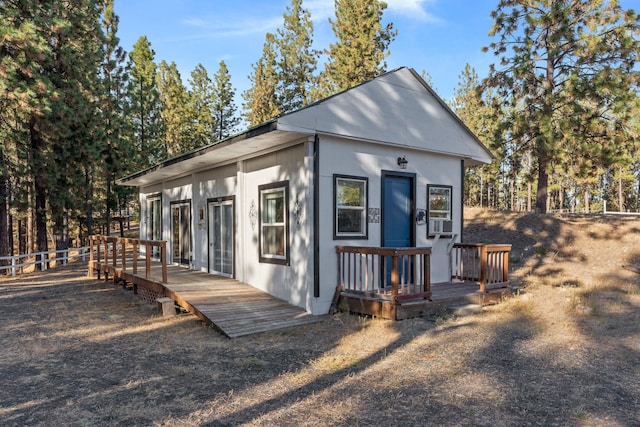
348 157
290 282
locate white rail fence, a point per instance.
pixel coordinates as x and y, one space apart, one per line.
606 212
41 260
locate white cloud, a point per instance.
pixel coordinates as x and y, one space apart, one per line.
235 28
414 9
320 10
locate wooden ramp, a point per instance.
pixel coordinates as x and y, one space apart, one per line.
233 308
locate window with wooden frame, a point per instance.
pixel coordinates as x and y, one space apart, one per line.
274 223
350 207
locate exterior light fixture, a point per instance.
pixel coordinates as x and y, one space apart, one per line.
402 162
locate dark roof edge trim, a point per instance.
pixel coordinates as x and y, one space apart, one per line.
248 134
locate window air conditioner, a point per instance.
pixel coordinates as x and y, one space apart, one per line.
440 226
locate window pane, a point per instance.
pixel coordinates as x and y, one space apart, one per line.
273 207
439 199
350 221
273 240
274 216
350 193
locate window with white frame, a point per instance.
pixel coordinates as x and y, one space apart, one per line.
274 223
439 207
350 207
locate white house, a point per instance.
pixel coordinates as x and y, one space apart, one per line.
380 165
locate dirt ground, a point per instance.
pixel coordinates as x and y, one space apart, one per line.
566 352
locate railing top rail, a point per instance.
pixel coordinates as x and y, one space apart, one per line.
491 247
373 250
110 239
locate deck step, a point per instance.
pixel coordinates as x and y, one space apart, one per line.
465 309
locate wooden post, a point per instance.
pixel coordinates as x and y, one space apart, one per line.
426 273
106 257
98 254
340 268
394 275
114 252
147 247
136 242
163 255
483 268
505 266
123 247
91 273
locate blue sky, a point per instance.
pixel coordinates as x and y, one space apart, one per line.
439 36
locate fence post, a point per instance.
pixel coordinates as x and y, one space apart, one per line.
13 267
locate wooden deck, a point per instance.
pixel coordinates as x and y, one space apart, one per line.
231 307
443 296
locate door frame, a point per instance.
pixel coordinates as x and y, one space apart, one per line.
183 222
233 233
412 208
149 232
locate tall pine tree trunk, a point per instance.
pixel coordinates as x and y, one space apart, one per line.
40 188
88 200
22 236
107 216
543 182
620 193
587 208
4 213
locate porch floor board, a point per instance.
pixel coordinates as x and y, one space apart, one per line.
233 308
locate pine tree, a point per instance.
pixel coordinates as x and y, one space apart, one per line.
116 151
26 95
50 56
76 54
224 108
362 45
476 113
297 60
201 107
567 68
174 100
146 107
261 101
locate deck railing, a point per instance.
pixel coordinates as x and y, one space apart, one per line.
486 264
115 252
394 273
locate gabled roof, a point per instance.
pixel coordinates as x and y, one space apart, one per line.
395 108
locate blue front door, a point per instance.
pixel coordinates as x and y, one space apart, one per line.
397 217
397 211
